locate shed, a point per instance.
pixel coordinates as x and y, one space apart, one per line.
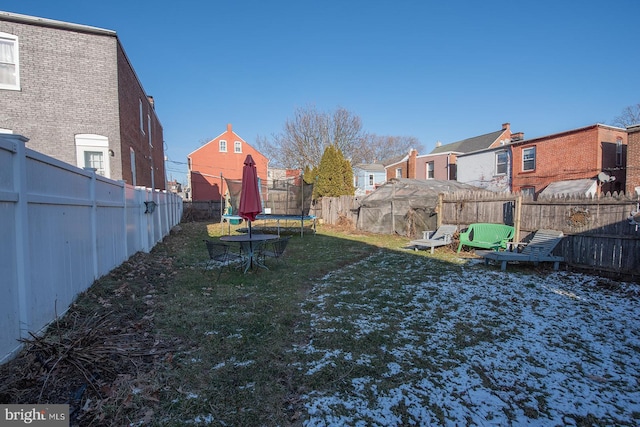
405 206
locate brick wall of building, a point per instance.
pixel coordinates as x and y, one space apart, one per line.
633 160
134 130
568 155
68 85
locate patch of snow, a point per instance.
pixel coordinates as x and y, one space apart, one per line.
480 347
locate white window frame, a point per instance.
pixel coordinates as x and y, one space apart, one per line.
87 142
149 130
132 157
504 164
398 172
431 170
141 117
528 158
371 180
222 146
16 61
237 147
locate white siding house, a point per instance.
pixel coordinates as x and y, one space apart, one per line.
489 169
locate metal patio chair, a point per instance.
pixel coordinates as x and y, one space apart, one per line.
276 249
220 256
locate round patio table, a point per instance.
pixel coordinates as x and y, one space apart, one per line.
250 247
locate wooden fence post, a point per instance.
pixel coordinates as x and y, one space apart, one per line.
517 218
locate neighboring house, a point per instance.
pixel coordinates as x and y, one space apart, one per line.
574 154
72 91
633 161
222 157
442 162
368 177
489 169
402 167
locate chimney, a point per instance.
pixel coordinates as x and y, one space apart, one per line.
229 127
438 144
411 165
151 101
506 126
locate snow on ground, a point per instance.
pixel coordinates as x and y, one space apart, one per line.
475 346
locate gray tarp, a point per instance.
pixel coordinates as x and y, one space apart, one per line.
405 206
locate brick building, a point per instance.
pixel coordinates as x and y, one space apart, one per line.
633 161
404 167
573 154
73 92
222 157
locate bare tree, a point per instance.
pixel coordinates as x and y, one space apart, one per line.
378 149
630 116
306 136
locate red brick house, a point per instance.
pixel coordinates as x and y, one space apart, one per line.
574 154
404 167
222 157
633 161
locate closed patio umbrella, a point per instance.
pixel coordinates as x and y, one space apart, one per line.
250 205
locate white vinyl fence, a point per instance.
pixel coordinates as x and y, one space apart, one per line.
61 228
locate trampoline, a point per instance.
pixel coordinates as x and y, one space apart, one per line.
283 200
310 219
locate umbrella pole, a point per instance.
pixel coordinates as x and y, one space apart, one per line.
250 246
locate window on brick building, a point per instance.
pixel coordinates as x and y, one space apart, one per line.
501 163
237 147
149 130
92 152
398 172
141 116
223 146
430 170
529 159
9 62
528 191
619 152
132 157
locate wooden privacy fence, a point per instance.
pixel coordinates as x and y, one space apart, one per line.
598 233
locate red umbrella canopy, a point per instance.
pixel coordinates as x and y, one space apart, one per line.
250 204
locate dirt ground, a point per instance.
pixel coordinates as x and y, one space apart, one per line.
102 357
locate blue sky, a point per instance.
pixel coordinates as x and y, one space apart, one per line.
436 70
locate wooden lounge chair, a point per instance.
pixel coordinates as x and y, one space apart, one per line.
539 249
441 237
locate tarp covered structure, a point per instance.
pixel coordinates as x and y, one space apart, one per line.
405 206
288 196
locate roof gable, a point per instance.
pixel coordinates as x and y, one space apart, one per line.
470 144
371 167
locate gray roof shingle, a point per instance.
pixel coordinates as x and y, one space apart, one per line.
470 144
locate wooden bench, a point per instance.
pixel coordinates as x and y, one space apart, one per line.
486 236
